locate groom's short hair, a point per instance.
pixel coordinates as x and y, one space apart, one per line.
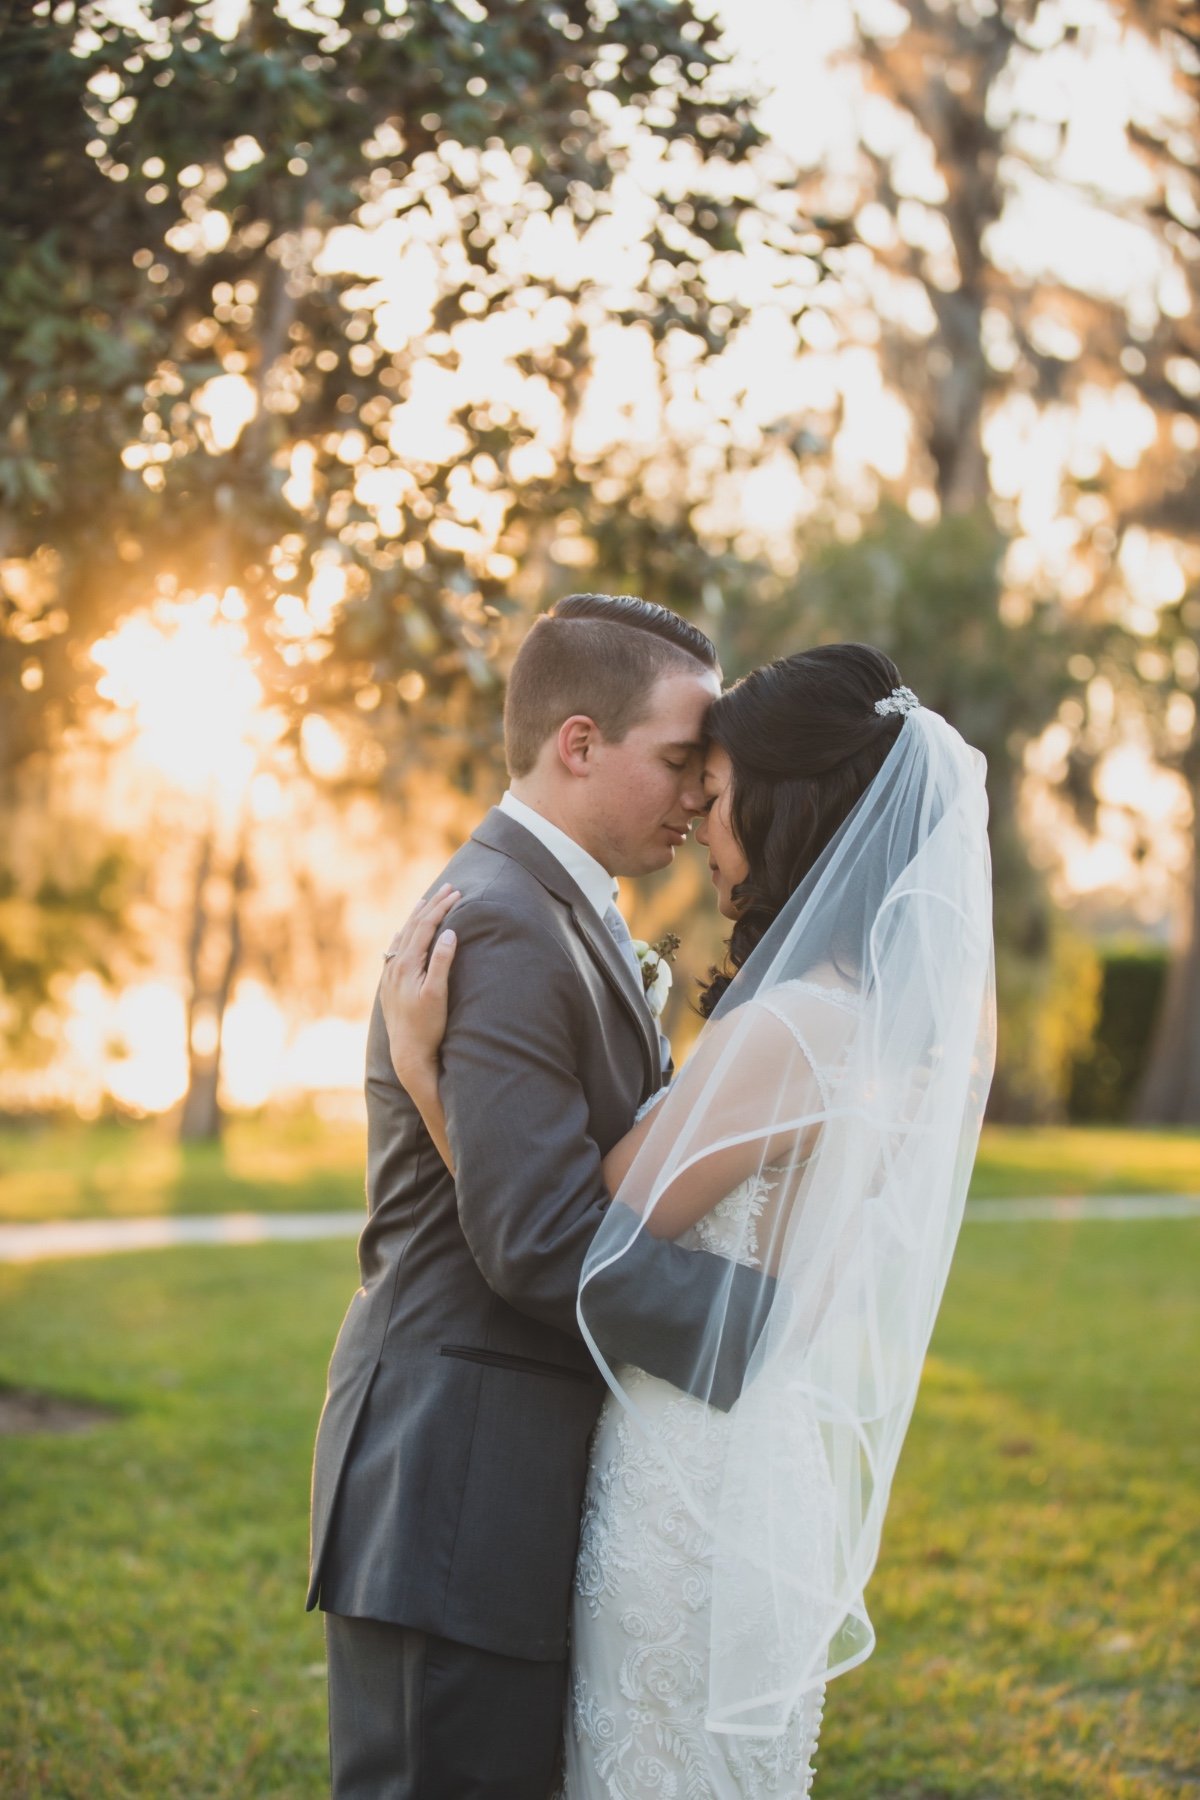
597 654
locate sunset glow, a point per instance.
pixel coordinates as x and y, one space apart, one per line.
477 383
181 677
132 1046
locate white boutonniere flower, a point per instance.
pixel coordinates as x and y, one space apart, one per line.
655 963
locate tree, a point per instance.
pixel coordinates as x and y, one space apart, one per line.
977 335
64 897
1166 674
930 595
204 392
211 385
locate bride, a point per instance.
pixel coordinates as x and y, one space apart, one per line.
822 1134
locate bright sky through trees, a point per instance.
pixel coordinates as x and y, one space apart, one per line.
184 699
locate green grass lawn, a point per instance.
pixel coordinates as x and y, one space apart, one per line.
294 1163
1085 1160
298 1164
1036 1600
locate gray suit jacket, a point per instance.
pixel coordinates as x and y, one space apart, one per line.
452 1449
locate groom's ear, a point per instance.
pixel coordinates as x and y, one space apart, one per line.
578 740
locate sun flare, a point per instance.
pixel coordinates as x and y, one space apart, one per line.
181 674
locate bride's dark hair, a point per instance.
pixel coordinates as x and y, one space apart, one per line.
805 743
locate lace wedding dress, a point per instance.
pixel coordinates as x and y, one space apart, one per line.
643 1592
881 967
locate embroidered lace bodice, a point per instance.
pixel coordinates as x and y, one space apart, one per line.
730 1229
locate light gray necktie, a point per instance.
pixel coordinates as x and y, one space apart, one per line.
623 938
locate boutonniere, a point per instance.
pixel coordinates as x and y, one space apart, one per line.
655 962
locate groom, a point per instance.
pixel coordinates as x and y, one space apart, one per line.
452 1449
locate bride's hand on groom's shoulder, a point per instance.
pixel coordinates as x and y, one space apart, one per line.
414 988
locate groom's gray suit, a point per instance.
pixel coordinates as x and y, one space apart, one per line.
452 1449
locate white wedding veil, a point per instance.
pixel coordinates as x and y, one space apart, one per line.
820 1137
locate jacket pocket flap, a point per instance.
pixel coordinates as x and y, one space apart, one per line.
529 1365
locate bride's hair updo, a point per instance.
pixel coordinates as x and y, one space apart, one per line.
805 741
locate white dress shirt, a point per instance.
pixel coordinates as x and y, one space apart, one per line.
592 878
598 887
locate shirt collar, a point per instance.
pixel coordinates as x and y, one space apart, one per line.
592 878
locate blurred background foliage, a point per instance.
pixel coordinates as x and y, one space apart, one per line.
352 335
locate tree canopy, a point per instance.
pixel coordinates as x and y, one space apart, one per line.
307 305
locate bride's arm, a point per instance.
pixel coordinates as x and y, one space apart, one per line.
755 1101
414 995
617 1163
741 1058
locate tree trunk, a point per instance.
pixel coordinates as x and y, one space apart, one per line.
953 383
214 957
956 403
202 1119
1170 1090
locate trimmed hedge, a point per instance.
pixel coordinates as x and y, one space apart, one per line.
1105 1081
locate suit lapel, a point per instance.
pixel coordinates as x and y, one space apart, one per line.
499 832
599 940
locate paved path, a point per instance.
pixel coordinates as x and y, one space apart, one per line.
1095 1206
97 1237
